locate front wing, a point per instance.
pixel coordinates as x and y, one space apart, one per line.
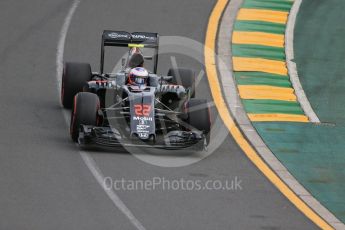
110 137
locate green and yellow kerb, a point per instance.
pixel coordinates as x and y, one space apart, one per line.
259 62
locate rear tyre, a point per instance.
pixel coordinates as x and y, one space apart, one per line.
198 116
74 78
184 77
84 112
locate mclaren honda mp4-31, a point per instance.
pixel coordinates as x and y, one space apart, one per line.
108 111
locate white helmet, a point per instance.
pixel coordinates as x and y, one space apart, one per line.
138 76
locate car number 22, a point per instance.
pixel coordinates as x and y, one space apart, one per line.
142 110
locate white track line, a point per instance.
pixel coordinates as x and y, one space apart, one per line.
291 65
88 160
61 43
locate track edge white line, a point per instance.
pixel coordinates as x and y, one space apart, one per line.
86 157
291 65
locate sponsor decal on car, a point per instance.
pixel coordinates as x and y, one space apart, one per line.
137 118
142 127
142 36
143 135
117 35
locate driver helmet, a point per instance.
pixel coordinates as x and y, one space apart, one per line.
138 76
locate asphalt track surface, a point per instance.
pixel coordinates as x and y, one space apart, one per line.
44 182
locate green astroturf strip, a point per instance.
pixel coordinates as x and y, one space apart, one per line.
272 106
244 79
258 51
281 5
258 26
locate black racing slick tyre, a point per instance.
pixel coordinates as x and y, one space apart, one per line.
74 78
198 116
184 77
84 112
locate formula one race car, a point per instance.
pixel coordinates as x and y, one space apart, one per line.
158 112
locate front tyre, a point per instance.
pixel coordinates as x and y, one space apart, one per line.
198 116
84 112
74 78
184 77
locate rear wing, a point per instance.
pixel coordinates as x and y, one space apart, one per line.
125 39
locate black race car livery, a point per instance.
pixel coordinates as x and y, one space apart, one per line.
107 111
